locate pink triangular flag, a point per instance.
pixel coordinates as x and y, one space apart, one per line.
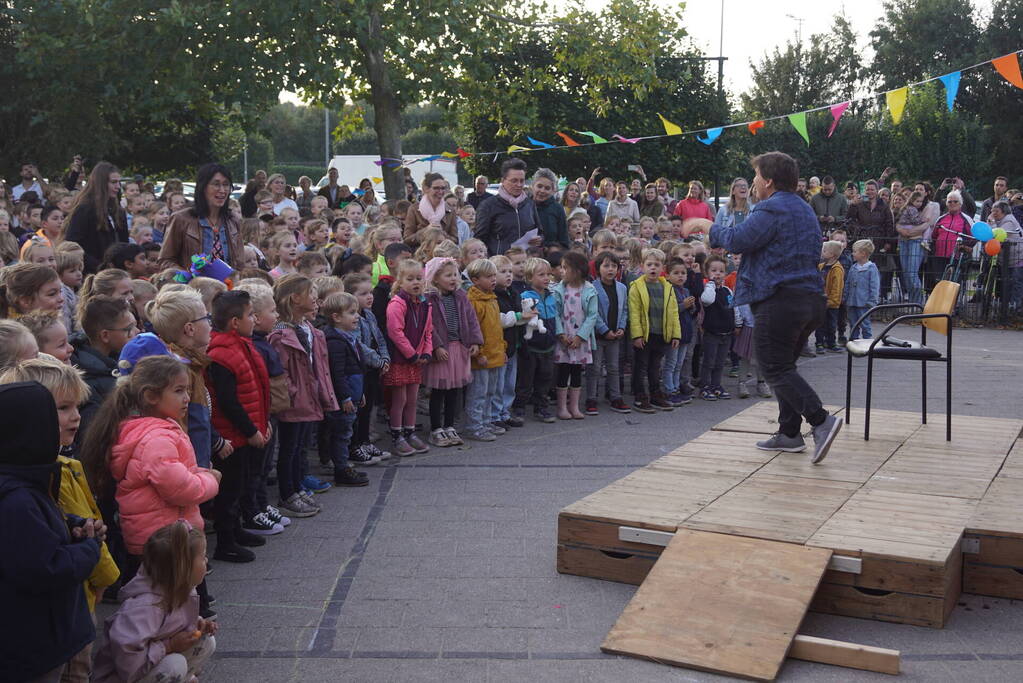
836 113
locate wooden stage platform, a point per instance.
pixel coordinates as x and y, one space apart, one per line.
910 520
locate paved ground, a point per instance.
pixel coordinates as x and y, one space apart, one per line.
443 568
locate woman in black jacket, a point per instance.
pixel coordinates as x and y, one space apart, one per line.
96 219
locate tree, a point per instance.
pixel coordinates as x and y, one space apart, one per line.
999 102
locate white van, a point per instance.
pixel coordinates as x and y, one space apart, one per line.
354 167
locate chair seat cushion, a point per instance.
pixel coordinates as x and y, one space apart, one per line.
915 351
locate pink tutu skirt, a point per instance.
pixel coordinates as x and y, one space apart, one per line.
453 373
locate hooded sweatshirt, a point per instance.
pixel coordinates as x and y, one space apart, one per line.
46 617
158 481
137 633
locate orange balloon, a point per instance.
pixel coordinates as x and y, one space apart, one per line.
992 247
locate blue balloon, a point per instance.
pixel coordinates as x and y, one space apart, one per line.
982 231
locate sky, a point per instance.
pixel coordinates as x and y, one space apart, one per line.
756 27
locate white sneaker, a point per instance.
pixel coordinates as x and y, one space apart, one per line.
453 436
439 437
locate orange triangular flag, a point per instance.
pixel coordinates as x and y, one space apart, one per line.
1008 66
754 126
568 141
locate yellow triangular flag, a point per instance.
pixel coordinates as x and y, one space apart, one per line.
897 102
377 180
517 148
669 127
449 155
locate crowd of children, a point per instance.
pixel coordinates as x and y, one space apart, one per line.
169 401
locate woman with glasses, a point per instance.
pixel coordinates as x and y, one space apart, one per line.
206 228
431 211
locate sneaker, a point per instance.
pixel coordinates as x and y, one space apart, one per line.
514 421
349 476
402 448
543 415
781 442
375 452
261 525
835 349
453 436
733 372
743 390
819 348
708 395
297 506
275 516
643 405
359 456
763 391
439 437
722 394
234 553
823 436
659 401
591 407
309 498
311 483
482 435
496 429
208 614
417 443
619 406
248 539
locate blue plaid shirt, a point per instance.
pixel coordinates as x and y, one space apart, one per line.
780 243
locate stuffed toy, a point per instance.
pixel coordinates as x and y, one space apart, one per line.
535 324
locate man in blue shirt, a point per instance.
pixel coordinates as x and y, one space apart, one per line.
780 243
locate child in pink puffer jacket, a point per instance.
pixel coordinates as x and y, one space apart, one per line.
151 457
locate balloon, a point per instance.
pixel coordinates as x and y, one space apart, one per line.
982 231
992 247
1000 234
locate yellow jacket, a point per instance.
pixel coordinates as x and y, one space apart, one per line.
76 499
488 312
639 311
834 284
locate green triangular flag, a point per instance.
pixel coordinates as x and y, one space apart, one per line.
798 122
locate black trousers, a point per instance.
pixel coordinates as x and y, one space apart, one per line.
646 368
534 378
444 407
371 391
234 476
782 324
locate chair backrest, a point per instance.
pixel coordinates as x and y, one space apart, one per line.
942 300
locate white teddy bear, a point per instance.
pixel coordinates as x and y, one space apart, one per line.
534 324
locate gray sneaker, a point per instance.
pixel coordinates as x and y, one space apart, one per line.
780 442
823 436
295 506
483 434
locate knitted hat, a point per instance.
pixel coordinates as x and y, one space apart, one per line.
433 266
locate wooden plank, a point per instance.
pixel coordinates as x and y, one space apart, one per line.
760 418
1013 467
901 526
772 507
993 580
631 568
851 459
999 512
849 655
891 606
720 603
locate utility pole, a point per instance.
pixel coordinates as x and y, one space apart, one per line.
721 95
245 161
326 136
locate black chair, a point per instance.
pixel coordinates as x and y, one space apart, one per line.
936 314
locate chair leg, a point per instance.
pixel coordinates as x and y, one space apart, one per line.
923 392
870 384
948 399
848 387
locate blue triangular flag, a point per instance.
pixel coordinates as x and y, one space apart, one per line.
712 135
537 143
951 82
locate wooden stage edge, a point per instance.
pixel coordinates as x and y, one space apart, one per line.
910 520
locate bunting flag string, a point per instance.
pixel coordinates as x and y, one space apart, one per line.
836 113
1008 66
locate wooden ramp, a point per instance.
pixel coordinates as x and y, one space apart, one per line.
721 603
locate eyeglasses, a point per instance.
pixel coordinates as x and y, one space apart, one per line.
208 318
220 186
126 330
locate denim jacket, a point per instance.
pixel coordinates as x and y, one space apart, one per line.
862 285
780 243
602 307
372 342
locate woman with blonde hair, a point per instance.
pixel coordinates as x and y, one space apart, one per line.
277 184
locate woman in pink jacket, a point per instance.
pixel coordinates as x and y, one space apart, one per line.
150 455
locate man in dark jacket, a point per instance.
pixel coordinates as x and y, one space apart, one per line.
780 243
506 218
46 618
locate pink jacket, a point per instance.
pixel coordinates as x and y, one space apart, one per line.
137 633
396 310
158 481
309 385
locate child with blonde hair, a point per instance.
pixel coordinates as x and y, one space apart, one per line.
285 247
456 340
410 335
447 249
653 326
50 334
207 288
862 288
385 234
487 363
